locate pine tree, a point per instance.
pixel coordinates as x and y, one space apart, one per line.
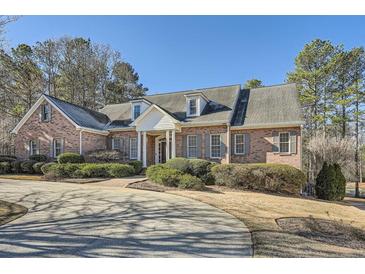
340 183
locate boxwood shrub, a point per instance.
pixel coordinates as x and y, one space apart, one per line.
8 159
164 175
137 165
202 169
190 182
37 167
38 157
69 157
120 170
46 167
277 178
16 166
5 167
27 166
181 164
94 170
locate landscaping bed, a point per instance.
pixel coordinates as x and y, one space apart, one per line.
10 212
261 212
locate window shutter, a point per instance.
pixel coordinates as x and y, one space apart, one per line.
275 139
233 143
199 145
126 146
51 148
62 145
50 112
223 145
247 143
109 141
27 148
207 146
184 146
293 142
38 146
40 113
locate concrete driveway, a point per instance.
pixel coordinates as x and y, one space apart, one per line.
69 220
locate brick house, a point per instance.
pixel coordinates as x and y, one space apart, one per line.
224 124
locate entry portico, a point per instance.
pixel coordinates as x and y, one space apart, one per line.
162 126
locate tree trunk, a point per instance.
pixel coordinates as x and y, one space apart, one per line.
358 172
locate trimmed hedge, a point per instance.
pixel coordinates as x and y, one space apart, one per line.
181 164
120 170
8 159
37 167
46 167
188 181
69 157
27 166
16 166
137 165
5 167
277 178
104 156
202 169
8 156
38 157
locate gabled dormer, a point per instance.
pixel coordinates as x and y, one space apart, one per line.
138 106
195 103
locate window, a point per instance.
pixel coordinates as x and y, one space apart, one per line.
192 146
239 140
192 107
136 111
45 113
215 146
133 151
33 146
284 142
57 147
116 143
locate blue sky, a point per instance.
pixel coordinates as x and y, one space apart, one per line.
185 52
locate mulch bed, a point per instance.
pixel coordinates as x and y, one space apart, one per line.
148 185
327 231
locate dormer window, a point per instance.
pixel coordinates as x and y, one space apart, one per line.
192 107
136 111
45 113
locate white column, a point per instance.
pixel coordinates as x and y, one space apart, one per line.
80 142
144 149
167 144
139 146
173 144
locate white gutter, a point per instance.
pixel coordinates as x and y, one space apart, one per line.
80 142
273 125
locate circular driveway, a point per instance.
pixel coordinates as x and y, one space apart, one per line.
70 220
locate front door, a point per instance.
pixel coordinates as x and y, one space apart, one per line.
162 151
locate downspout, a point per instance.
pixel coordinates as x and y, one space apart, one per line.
228 143
80 141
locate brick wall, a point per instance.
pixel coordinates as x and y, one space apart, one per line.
261 141
92 141
45 132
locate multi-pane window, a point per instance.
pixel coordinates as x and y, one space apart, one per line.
239 144
133 148
33 146
192 146
215 146
116 143
284 142
136 111
57 147
45 113
192 107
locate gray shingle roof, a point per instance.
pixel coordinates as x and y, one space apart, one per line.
255 107
83 117
268 105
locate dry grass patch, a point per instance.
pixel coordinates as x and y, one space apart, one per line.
10 211
260 211
23 177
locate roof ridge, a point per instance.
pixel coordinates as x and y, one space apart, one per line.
270 86
191 90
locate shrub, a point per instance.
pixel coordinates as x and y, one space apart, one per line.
45 168
202 169
105 156
16 166
94 170
164 175
70 157
37 167
62 170
7 159
137 165
188 181
5 167
181 164
27 166
8 156
341 182
120 170
262 177
38 157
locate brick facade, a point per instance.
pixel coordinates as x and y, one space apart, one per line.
261 140
45 132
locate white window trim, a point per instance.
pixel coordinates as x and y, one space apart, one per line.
187 146
289 145
54 146
113 144
130 148
211 143
235 144
133 112
197 104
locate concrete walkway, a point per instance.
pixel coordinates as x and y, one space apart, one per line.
70 220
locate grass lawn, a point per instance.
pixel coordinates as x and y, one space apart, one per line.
9 212
327 229
23 177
